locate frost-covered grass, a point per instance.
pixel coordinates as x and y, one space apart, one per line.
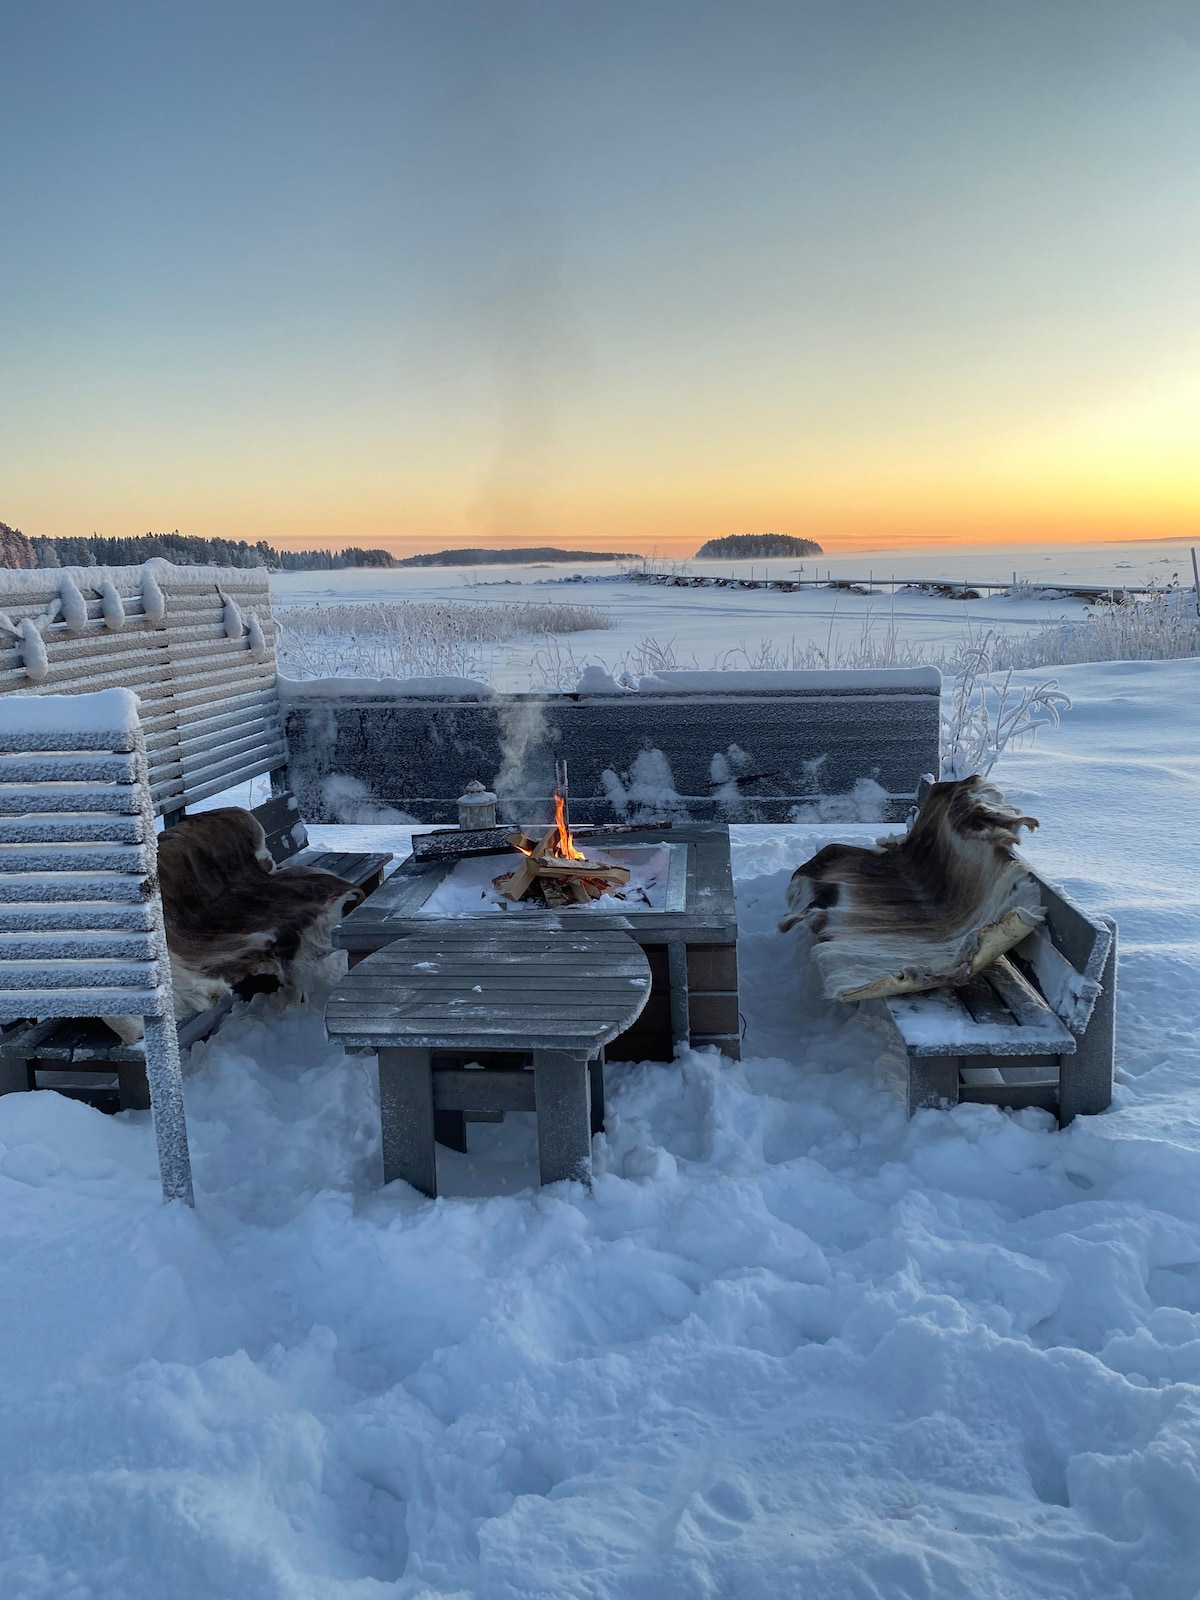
557 664
1163 626
416 638
1160 626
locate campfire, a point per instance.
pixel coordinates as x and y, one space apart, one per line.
554 868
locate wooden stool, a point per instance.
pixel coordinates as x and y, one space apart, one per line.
557 995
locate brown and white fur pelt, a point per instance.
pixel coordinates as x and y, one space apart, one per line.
923 911
230 915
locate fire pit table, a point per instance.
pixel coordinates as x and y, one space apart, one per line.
687 927
558 998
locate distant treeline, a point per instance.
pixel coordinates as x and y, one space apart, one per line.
189 550
484 557
756 547
186 550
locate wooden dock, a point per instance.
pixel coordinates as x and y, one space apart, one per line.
943 588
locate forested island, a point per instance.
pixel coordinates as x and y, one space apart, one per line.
189 550
756 547
485 557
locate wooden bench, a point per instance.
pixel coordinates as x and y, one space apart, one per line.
81 927
1035 1029
197 646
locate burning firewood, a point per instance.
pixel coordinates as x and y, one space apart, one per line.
563 873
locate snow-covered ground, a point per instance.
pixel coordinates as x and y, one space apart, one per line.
708 627
790 1344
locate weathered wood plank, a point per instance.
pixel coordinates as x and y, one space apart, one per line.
406 1115
487 1089
984 1004
419 753
564 1117
1021 998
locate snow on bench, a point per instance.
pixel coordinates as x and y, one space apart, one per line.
1036 1028
197 647
81 928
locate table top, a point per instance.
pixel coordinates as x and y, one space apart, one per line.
459 985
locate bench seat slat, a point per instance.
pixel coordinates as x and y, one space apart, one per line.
98 857
65 887
78 944
87 1002
355 867
88 1044
59 767
984 1004
37 827
65 973
939 1023
111 799
88 916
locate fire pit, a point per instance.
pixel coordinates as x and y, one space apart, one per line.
669 886
619 878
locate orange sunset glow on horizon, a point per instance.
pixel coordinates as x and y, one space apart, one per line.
628 279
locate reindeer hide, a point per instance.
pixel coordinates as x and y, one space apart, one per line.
924 911
230 916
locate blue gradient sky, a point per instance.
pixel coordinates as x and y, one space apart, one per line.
620 275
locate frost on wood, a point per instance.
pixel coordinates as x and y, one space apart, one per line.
256 637
165 1079
33 649
231 618
74 606
302 690
63 951
112 607
154 605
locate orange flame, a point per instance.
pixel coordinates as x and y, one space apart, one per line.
564 845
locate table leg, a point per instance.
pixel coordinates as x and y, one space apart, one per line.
596 1093
406 1115
563 1116
681 1024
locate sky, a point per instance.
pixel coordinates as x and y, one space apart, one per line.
618 275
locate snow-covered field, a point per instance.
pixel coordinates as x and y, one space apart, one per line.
710 627
790 1345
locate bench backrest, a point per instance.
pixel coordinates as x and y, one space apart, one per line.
735 747
81 923
196 644
1067 956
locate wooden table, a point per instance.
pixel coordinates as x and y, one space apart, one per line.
691 943
559 997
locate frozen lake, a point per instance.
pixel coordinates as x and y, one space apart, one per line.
713 627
